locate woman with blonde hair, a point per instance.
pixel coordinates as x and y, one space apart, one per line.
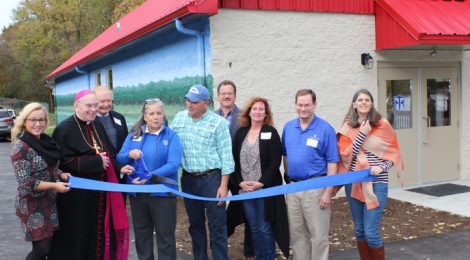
35 159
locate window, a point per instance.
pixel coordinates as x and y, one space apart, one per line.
439 101
109 77
98 78
399 103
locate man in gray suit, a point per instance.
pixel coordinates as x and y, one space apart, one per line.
226 95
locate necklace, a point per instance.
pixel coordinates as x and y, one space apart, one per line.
95 144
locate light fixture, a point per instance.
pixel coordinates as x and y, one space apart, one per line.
433 52
367 61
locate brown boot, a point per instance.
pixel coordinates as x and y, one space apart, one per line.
363 249
376 253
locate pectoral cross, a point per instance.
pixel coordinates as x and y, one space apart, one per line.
95 146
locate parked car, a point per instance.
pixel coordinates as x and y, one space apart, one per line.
6 122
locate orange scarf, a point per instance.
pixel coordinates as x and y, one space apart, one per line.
382 142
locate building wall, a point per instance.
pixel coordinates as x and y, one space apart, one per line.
275 53
163 65
465 121
65 87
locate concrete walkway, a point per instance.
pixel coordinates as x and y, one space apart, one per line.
454 245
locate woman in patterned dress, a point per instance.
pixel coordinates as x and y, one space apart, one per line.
35 158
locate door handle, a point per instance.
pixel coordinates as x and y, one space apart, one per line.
428 126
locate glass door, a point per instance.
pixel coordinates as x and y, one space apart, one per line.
422 106
440 141
398 103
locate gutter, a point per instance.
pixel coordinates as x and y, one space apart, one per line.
78 70
200 44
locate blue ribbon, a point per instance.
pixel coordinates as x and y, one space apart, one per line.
316 183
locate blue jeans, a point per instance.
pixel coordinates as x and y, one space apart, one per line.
367 223
261 230
248 250
205 186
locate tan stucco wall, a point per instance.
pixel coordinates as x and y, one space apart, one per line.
274 53
465 121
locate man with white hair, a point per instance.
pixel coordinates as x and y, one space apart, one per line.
93 224
114 123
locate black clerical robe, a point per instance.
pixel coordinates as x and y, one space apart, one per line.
82 212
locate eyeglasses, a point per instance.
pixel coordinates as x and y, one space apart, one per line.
37 120
152 100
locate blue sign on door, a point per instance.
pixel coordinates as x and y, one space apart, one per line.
399 102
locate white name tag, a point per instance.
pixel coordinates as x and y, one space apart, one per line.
312 142
138 139
117 121
266 136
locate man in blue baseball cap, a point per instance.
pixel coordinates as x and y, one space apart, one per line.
197 93
207 163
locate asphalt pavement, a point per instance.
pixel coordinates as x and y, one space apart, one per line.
12 244
453 245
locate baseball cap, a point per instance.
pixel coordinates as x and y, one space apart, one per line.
197 93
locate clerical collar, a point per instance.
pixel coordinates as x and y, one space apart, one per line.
157 133
81 120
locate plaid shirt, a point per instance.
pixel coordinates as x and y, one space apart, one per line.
206 142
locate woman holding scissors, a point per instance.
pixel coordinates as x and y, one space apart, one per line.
154 150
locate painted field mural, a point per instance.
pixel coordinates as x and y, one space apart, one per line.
161 66
130 99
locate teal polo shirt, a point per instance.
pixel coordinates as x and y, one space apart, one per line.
310 150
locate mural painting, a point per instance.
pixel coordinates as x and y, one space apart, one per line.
161 66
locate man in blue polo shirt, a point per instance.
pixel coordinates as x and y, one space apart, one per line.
310 151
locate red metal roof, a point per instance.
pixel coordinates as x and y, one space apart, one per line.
332 6
401 23
149 16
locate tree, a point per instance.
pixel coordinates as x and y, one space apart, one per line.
44 34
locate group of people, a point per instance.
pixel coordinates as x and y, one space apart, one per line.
230 149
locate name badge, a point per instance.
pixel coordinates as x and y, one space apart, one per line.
137 139
266 136
117 121
165 142
312 142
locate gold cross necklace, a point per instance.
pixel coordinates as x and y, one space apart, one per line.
95 144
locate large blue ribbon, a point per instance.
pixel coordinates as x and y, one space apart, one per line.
316 183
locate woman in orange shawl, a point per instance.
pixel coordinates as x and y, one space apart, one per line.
368 141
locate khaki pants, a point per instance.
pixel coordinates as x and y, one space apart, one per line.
308 225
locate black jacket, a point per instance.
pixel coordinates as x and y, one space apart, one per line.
275 207
121 130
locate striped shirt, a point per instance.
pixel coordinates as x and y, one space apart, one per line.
206 142
373 159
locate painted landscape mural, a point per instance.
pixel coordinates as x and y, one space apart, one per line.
130 99
162 66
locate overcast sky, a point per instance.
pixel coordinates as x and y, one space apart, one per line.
6 9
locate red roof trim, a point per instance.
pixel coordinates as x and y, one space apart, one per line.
413 22
327 6
149 16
